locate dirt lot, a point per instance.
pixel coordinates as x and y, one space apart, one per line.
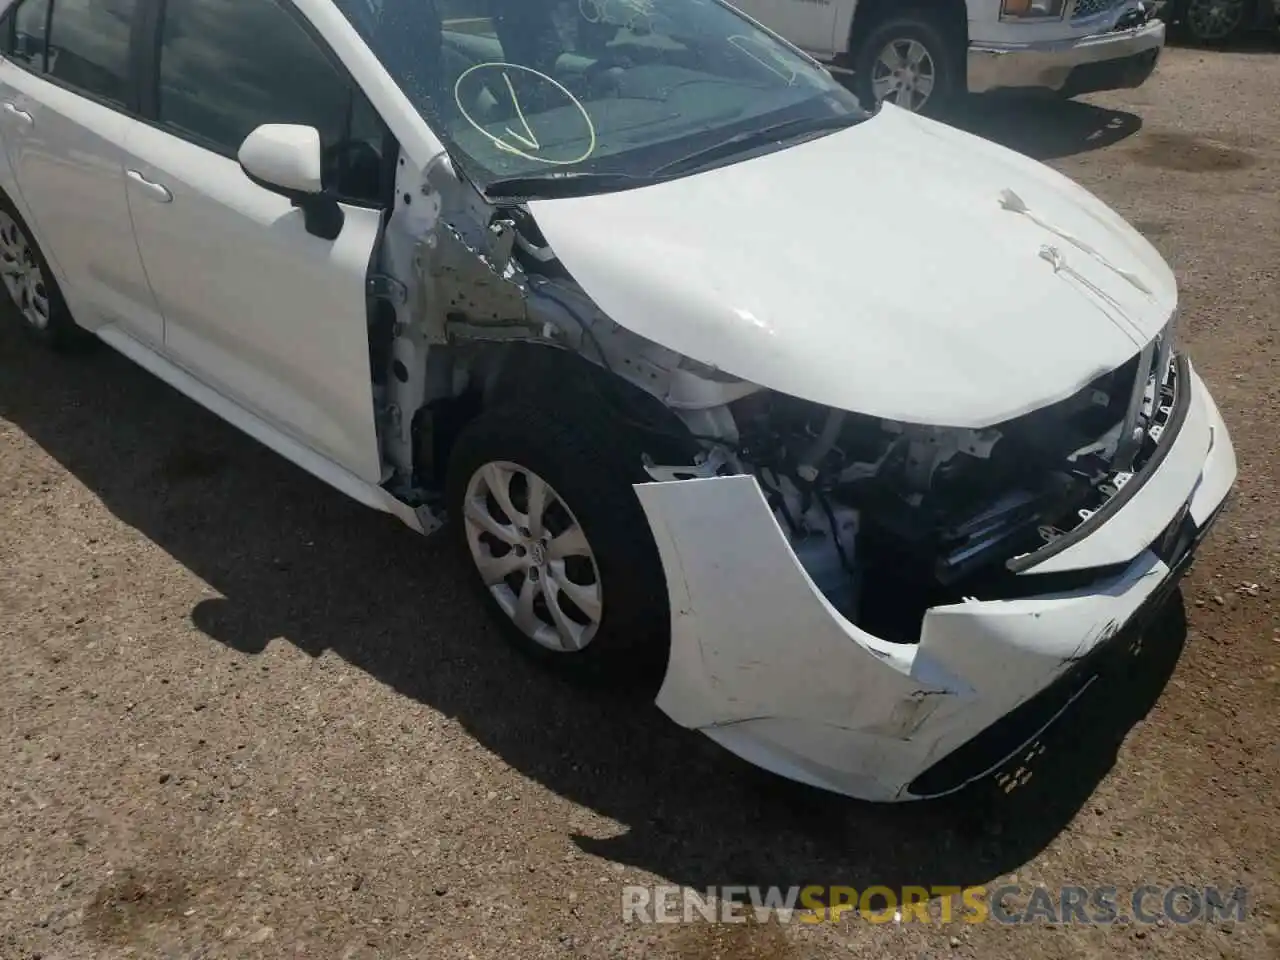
240 716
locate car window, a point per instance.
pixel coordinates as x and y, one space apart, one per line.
544 88
89 46
228 66
30 26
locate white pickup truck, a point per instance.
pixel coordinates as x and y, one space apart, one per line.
922 54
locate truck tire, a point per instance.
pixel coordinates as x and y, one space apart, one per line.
909 59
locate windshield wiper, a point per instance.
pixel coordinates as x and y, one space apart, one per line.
776 133
569 183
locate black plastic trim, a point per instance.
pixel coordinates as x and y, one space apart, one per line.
988 751
147 57
149 35
127 107
1182 403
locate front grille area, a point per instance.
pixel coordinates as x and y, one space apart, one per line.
998 745
1158 403
995 750
1091 8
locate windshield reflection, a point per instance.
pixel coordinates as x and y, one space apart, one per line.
537 88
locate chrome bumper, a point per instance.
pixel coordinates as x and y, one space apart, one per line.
1050 65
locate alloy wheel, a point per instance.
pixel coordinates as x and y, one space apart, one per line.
22 275
1213 20
904 74
533 556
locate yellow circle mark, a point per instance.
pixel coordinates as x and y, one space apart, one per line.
525 137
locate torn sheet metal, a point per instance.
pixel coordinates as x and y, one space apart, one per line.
762 663
463 290
1191 462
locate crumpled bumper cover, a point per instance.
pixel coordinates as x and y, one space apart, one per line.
764 665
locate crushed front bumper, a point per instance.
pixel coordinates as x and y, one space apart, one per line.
1114 60
763 664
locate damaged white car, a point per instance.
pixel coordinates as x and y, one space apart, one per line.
869 435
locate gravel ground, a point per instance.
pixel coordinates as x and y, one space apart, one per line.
240 716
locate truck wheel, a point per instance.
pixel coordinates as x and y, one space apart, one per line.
31 286
1213 22
909 61
545 515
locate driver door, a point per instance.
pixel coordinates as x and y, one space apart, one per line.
267 314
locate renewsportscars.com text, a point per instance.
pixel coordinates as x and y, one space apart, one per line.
996 903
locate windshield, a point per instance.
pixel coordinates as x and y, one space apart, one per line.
546 90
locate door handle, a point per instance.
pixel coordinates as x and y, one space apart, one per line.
13 110
157 191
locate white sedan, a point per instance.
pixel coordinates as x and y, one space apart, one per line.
865 439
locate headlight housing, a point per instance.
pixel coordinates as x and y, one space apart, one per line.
1032 10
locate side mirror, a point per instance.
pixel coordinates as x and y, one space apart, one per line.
285 159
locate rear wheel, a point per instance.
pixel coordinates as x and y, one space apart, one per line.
545 516
907 60
31 285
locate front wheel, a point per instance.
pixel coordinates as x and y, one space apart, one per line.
545 515
909 62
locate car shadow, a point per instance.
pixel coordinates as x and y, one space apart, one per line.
1043 127
295 560
1251 42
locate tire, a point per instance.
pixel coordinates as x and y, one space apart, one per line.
32 288
1213 24
905 35
588 466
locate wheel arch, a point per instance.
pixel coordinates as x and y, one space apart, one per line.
874 20
951 15
514 372
11 197
567 433
62 332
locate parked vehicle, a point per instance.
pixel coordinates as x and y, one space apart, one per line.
922 55
1216 22
867 438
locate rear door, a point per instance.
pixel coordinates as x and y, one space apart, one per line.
67 103
269 315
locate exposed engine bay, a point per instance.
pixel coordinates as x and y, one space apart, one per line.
888 519
891 519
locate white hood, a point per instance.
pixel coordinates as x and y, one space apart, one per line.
878 269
